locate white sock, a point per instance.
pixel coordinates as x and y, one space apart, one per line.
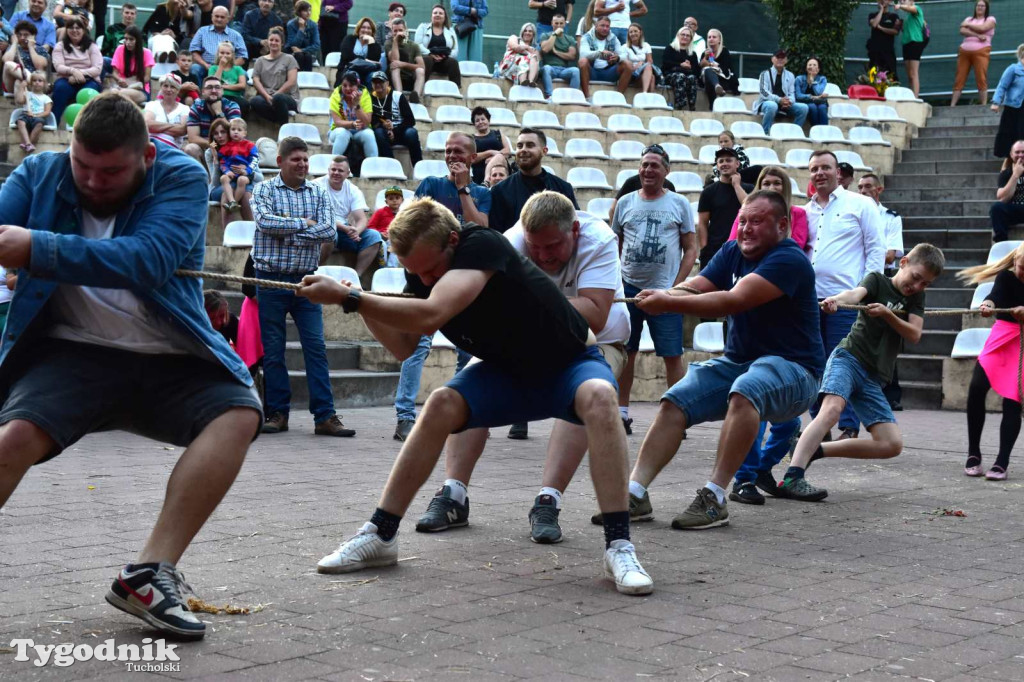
458 488
637 490
718 490
624 411
553 493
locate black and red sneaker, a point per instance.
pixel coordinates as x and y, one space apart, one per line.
153 592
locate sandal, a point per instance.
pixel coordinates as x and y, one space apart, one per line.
973 467
996 473
29 148
24 147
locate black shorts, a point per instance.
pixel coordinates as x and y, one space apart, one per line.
913 51
72 389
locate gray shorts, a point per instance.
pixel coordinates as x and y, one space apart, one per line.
72 389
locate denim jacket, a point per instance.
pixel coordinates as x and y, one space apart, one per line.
1010 91
163 229
460 10
804 92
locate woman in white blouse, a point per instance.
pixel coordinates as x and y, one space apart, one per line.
637 52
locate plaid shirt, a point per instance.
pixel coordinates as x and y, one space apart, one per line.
208 39
284 243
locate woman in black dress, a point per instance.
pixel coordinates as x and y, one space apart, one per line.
489 143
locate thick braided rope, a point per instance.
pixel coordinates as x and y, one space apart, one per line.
273 284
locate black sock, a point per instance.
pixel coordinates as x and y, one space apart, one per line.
794 472
818 454
386 522
616 527
1009 429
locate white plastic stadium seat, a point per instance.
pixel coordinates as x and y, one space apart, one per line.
160 70
626 150
763 156
981 294
441 88
799 158
845 110
678 152
429 168
313 80
569 96
787 131
825 133
749 86
730 105
338 273
485 91
599 207
832 90
970 342
319 163
583 120
883 112
896 93
706 127
583 148
852 158
541 119
1000 249
585 177
307 132
797 192
646 342
666 125
500 116
315 106
650 100
552 145
624 174
707 154
867 135
709 337
610 98
441 341
420 113
452 113
436 140
51 120
388 281
239 234
332 60
382 168
521 93
626 123
381 201
748 130
474 69
686 181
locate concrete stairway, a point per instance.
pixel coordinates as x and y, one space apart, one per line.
943 186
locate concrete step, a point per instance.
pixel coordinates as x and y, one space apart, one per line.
939 181
948 297
973 141
956 153
936 341
942 222
970 207
987 117
963 257
949 130
919 367
340 355
947 280
921 395
351 388
939 322
940 194
953 167
962 110
944 239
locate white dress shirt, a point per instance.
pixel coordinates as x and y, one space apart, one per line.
893 233
848 237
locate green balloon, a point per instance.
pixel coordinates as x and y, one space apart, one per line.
71 113
85 94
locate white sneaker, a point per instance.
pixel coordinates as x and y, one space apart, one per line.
622 566
365 549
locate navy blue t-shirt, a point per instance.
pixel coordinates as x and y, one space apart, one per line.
789 326
443 191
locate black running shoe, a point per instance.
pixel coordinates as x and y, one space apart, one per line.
628 425
544 528
746 493
153 592
519 431
443 513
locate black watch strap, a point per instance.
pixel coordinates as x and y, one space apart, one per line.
351 302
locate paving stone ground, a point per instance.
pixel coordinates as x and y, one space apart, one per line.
869 585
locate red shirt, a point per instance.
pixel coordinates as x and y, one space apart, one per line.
381 220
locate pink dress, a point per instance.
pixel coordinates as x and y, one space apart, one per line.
797 227
1001 359
250 345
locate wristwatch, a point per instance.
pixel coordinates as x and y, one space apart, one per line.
350 303
465 190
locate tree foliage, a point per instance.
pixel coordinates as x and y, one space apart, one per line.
814 28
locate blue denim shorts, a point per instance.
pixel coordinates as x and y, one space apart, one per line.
217 192
608 74
666 329
780 389
846 377
497 397
367 239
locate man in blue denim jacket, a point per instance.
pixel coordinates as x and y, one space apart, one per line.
96 234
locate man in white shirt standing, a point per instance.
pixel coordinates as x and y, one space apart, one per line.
848 235
349 215
580 253
698 45
621 13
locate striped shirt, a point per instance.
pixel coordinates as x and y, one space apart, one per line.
207 39
284 243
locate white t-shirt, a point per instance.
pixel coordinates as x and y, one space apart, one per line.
177 116
637 54
114 318
345 200
651 237
594 265
5 293
35 104
621 18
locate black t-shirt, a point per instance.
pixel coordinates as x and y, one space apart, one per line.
490 142
633 185
1018 192
1007 292
521 321
230 329
509 196
879 40
545 14
719 199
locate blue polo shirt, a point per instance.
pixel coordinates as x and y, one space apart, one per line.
46 30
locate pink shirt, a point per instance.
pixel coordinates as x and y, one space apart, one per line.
797 227
117 62
972 43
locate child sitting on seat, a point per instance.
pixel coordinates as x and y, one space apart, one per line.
37 109
382 217
237 158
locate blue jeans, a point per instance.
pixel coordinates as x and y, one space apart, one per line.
409 137
342 137
621 34
64 93
275 305
834 329
471 48
542 29
368 239
769 110
764 458
1003 215
200 72
567 73
817 112
412 370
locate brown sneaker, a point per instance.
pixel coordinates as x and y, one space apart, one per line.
332 426
275 423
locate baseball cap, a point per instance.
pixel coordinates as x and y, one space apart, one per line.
378 76
780 54
726 151
394 189
845 168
